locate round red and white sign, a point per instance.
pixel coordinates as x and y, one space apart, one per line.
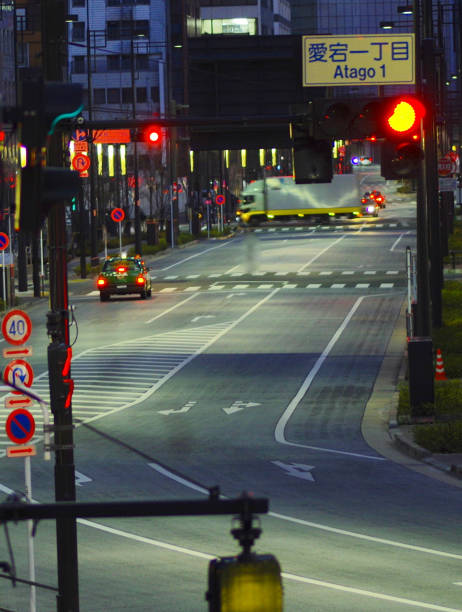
16 327
20 426
445 165
81 162
19 372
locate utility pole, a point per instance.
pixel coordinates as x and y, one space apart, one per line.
94 259
54 64
136 196
423 285
431 162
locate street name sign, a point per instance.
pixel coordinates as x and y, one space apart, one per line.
362 59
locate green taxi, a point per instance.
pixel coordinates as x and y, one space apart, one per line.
123 275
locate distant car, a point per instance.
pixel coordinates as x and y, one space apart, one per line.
378 197
122 276
369 208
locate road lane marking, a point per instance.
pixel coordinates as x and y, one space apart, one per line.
299 470
164 312
382 596
279 432
169 353
309 262
286 576
178 263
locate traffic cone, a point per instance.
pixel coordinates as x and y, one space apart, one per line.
440 374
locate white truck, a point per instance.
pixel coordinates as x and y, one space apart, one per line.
279 197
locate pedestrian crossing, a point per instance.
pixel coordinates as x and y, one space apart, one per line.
342 279
360 225
115 377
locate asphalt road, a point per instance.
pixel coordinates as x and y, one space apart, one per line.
251 369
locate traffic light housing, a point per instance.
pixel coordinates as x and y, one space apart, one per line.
42 106
38 190
311 158
247 583
396 120
401 153
151 135
61 385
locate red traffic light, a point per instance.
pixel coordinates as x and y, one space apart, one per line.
403 116
152 135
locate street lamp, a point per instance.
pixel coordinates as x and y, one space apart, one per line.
406 10
387 25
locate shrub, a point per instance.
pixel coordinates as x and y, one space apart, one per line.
440 437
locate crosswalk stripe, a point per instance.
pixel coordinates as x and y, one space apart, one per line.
150 360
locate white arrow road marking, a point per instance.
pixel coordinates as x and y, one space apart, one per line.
81 478
299 470
228 297
237 406
185 408
202 317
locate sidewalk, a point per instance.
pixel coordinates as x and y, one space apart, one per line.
380 427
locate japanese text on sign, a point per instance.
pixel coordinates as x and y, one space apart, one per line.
368 59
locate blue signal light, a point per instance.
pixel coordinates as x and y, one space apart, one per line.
355 160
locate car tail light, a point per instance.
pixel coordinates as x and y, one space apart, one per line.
121 269
101 282
364 201
379 199
140 280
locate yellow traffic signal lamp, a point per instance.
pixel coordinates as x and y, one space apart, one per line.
247 583
402 117
401 153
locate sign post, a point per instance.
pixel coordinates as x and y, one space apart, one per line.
4 242
118 215
20 424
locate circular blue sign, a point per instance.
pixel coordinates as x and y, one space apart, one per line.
20 426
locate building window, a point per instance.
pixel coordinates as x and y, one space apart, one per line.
229 26
125 62
79 64
99 96
78 2
127 97
78 31
125 30
142 62
155 94
21 20
23 55
113 62
113 96
141 95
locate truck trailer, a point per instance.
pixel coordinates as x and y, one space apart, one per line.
279 197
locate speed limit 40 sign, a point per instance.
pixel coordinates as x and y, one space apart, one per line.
16 327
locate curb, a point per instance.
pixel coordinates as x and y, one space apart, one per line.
409 447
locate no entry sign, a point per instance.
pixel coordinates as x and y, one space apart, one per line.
117 215
20 426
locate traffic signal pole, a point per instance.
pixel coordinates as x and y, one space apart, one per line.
54 61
